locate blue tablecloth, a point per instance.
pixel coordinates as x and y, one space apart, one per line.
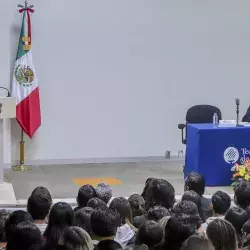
213 151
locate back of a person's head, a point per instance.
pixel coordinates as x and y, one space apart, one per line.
157 213
104 222
4 215
150 233
185 207
242 194
95 203
104 192
137 204
191 195
159 193
85 193
177 230
195 182
122 206
82 218
108 245
61 216
14 219
237 217
76 238
221 202
246 227
24 236
197 242
39 203
222 234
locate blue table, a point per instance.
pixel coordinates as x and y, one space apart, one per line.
212 151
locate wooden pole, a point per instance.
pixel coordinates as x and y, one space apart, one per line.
22 149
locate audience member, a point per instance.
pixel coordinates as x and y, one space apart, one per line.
246 233
25 236
163 222
177 230
39 204
4 215
104 192
196 182
14 219
222 234
157 213
242 194
95 203
237 217
85 193
76 238
157 192
61 216
126 231
137 205
82 218
221 202
108 245
104 223
150 234
248 210
197 242
189 212
191 195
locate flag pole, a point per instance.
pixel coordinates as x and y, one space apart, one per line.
21 167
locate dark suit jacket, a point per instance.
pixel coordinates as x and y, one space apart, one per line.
246 118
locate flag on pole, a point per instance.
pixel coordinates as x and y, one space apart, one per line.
25 84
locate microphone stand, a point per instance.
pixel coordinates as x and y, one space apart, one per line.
237 100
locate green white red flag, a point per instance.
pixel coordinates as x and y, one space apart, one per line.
25 84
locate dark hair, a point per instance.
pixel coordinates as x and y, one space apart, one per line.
82 218
122 206
4 215
157 213
222 234
191 195
61 216
159 193
150 233
242 194
95 203
197 242
237 217
221 202
177 230
39 203
195 182
137 204
104 222
75 238
246 227
15 218
108 245
85 193
24 236
248 210
187 208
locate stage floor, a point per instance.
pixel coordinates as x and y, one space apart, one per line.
125 178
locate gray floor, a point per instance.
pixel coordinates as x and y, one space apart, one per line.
59 179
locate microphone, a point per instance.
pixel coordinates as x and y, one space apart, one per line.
8 92
237 102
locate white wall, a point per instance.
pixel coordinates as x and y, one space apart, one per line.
116 77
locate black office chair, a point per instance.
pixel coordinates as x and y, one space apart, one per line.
198 114
246 118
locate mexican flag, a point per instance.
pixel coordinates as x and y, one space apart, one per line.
25 84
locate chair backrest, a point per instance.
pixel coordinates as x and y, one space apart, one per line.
202 114
246 118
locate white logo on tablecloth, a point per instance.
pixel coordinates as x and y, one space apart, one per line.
231 155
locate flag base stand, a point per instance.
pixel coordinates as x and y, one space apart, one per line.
22 167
